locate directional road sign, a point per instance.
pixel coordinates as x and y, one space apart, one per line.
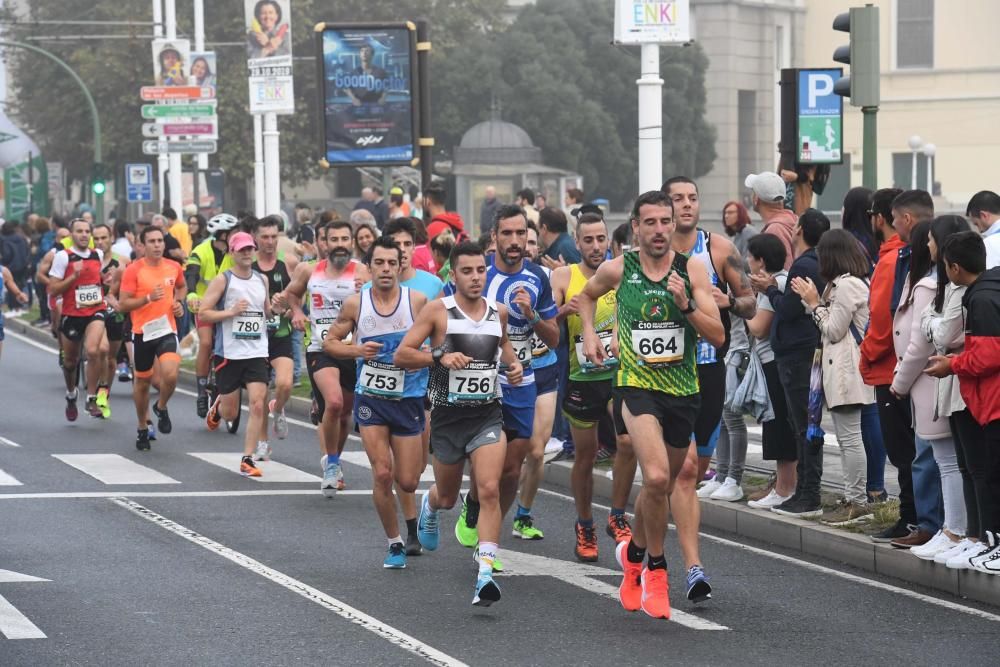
158 93
201 110
820 117
139 182
164 147
206 130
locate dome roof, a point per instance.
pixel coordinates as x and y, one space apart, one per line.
495 133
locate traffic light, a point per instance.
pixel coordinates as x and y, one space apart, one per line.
862 84
97 184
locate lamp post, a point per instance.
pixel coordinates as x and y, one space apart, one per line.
929 151
916 143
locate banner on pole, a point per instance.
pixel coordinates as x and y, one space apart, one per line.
652 22
170 61
269 56
202 71
367 83
819 120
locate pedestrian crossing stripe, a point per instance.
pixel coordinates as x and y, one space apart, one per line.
271 471
114 469
8 480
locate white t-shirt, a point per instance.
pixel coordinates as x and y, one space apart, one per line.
61 261
763 346
122 248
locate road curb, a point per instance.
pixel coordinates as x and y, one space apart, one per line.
816 539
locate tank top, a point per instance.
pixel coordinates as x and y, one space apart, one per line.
707 354
476 384
86 296
278 326
326 296
540 357
379 377
656 341
605 315
243 336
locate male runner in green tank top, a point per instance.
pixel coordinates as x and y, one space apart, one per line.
664 303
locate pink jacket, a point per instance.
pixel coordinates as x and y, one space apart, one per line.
912 352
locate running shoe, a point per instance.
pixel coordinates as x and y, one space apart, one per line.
618 528
630 590
263 451
71 412
151 430
586 544
395 559
708 488
655 593
524 528
212 418
142 440
123 373
413 547
332 477
92 408
428 530
698 588
162 419
467 536
566 454
201 403
247 467
487 591
280 421
102 402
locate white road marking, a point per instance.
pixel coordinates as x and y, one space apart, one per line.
517 563
952 606
25 339
114 469
345 611
8 480
271 471
14 624
83 495
9 443
361 459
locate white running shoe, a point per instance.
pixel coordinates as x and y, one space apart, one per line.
989 560
279 420
553 446
773 499
955 549
940 542
263 451
961 560
730 491
708 488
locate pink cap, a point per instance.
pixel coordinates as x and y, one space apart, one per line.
239 241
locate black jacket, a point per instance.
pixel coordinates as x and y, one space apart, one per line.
792 329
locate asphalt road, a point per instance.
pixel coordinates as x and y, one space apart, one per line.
207 567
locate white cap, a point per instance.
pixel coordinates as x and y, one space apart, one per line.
767 185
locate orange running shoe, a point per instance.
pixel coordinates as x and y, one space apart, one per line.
655 593
630 591
212 419
247 467
586 544
619 528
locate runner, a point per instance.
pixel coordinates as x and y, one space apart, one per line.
468 333
76 273
330 282
524 289
207 260
389 403
152 291
588 393
277 268
664 303
7 280
731 290
236 303
112 267
42 276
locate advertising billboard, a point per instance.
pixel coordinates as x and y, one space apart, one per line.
269 56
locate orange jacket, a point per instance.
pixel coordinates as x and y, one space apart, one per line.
878 356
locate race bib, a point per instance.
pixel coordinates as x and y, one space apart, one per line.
322 327
521 342
88 296
383 380
157 328
476 383
248 325
273 322
585 365
538 347
658 344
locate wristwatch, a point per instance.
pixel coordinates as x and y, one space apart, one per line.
691 307
732 301
436 354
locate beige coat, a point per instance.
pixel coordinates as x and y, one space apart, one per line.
844 301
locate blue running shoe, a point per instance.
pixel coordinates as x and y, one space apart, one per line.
151 430
487 591
396 558
698 587
332 477
427 525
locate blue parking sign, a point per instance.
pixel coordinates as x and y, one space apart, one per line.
139 182
820 117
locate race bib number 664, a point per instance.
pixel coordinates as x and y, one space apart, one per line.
658 344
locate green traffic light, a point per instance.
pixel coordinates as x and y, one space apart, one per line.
98 188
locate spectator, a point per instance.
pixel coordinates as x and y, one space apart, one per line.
15 255
434 211
380 208
360 216
794 338
540 202
197 228
367 201
488 209
574 199
441 245
621 240
983 211
364 236
841 315
178 229
768 196
526 200
736 221
172 247
553 233
422 257
124 239
397 207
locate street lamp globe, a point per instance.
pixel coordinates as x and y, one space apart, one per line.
930 150
915 142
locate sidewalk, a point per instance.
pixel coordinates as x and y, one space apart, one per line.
807 537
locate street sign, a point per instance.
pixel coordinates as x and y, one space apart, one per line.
652 22
201 110
819 138
165 147
160 93
14 624
139 182
207 130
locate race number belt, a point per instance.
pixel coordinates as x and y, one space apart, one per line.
476 383
658 344
157 328
323 325
585 364
521 342
248 325
382 380
88 296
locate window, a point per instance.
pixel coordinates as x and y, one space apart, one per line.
914 34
